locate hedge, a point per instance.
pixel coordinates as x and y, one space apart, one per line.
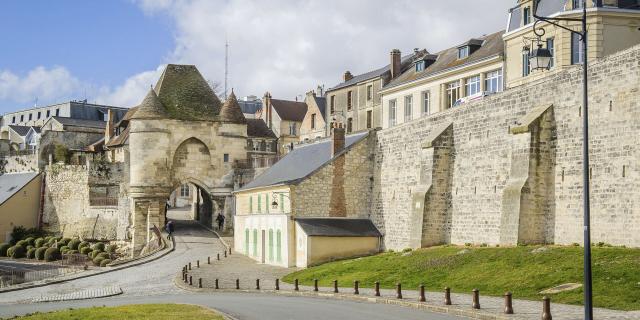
98 246
31 240
22 243
85 250
73 244
31 253
40 253
40 242
83 244
97 261
64 249
18 252
52 254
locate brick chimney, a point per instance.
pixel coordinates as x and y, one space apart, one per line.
395 63
347 76
110 128
337 138
266 107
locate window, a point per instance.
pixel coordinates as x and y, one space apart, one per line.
349 100
526 16
332 104
39 115
453 93
57 112
576 4
105 195
463 52
313 121
369 119
349 125
472 85
392 113
577 49
48 113
369 92
292 128
13 120
184 190
408 106
525 62
493 81
420 66
225 157
30 116
426 102
21 117
551 47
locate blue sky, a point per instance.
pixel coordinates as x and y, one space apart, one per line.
113 50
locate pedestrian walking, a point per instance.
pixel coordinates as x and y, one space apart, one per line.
169 228
220 220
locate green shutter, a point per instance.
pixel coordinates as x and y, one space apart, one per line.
259 203
266 202
282 202
270 244
255 242
250 204
246 241
279 245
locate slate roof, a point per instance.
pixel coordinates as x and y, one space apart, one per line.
492 45
12 183
300 163
119 139
321 102
338 227
231 111
150 108
99 124
258 128
20 130
371 74
186 95
289 110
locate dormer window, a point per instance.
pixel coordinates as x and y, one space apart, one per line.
526 16
463 52
420 65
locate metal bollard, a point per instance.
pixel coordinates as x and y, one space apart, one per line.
398 290
377 285
218 256
225 253
184 277
315 285
295 285
217 286
208 260
257 284
237 284
447 296
422 298
197 263
199 282
190 280
476 299
546 308
189 265
229 250
277 284
335 286
355 287
508 303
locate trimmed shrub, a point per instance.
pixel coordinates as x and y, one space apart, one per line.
31 253
85 250
40 242
40 253
22 243
72 252
3 249
97 261
20 233
47 238
94 253
105 262
31 240
103 255
64 241
52 254
98 246
30 247
73 244
111 248
84 244
64 249
10 251
18 252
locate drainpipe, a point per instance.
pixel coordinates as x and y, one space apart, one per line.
41 210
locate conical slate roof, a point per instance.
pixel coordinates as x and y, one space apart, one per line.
231 111
150 108
186 95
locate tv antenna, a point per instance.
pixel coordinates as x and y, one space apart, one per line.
226 65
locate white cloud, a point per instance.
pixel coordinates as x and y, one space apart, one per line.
40 83
132 91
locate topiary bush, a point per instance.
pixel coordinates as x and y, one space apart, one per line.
97 261
64 249
30 247
94 253
52 254
22 243
103 255
10 251
3 249
72 252
73 244
85 250
47 238
84 244
111 248
64 241
31 240
40 253
31 253
40 242
105 262
98 246
18 252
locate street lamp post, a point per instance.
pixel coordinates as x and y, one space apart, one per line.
540 55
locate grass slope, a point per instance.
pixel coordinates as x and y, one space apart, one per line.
616 272
135 311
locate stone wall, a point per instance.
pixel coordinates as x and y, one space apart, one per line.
69 209
19 163
508 168
342 188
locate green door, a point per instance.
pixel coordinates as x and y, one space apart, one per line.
255 242
246 241
271 245
279 245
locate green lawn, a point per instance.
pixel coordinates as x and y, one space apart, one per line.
616 272
135 311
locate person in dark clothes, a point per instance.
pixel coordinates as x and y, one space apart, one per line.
169 228
220 220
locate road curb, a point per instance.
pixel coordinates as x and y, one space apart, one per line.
451 310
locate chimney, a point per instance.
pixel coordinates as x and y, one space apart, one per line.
321 91
109 130
337 138
266 107
395 63
347 76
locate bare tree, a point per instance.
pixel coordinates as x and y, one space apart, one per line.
216 86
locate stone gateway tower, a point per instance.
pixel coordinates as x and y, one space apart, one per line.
181 133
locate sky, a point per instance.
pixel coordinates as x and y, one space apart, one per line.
111 52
